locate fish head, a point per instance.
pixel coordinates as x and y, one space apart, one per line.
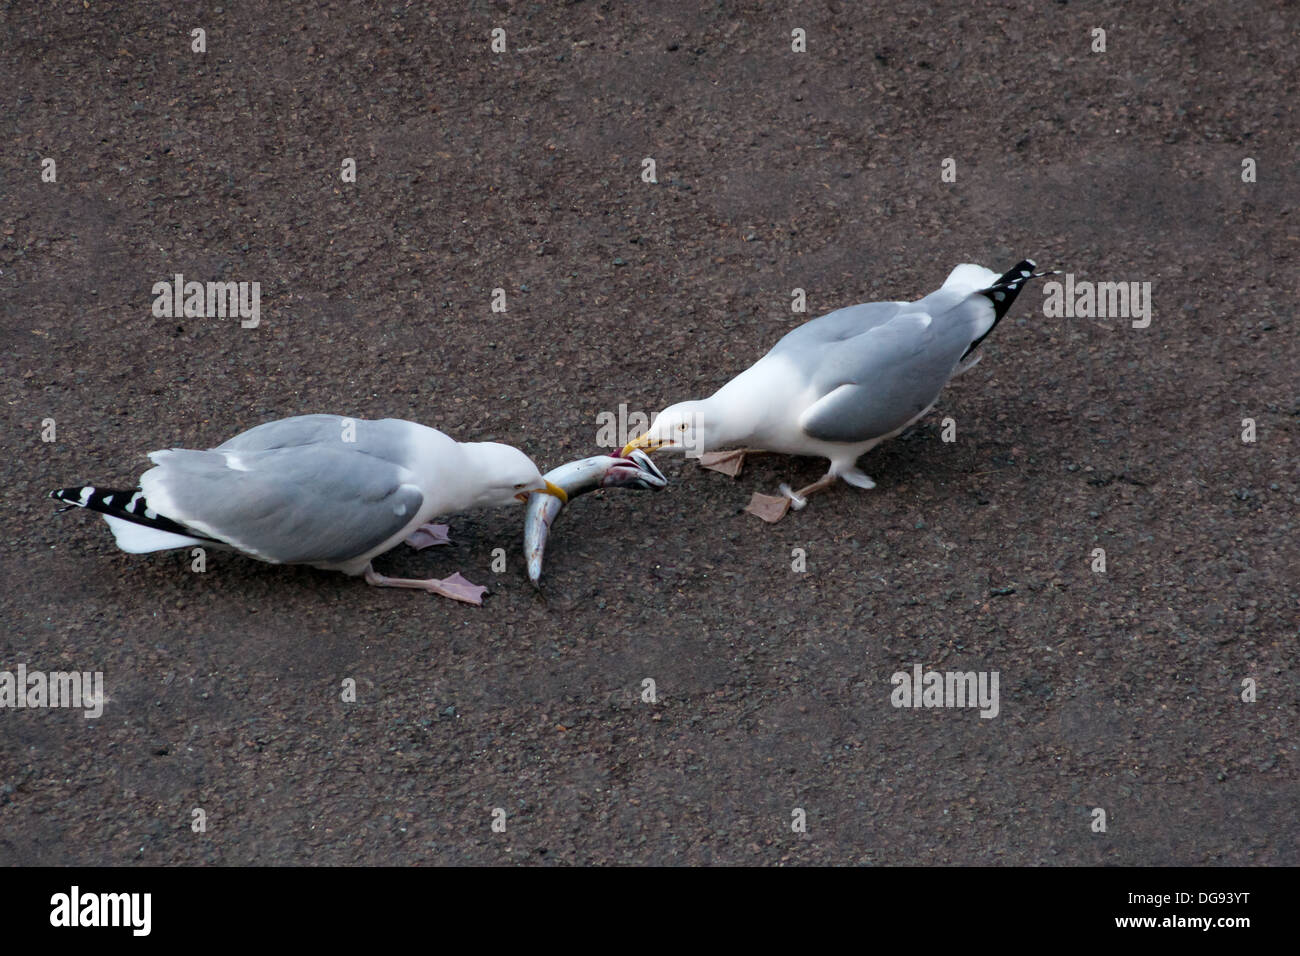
634 471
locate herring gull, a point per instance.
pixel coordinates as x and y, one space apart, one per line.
321 490
840 384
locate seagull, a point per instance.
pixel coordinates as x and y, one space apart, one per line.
840 384
322 490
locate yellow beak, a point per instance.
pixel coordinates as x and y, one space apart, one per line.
548 489
644 443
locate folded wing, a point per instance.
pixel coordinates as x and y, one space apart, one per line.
874 383
302 494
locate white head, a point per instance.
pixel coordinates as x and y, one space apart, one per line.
682 427
506 474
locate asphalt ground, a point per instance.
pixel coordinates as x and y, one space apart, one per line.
1120 691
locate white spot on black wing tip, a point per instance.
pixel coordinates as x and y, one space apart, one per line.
999 296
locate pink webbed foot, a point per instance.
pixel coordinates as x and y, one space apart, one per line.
454 586
427 535
727 462
768 507
459 589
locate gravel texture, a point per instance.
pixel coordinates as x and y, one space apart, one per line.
776 170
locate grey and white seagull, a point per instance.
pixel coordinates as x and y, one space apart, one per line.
842 383
322 490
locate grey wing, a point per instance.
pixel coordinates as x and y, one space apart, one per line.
875 383
288 433
389 438
309 504
839 326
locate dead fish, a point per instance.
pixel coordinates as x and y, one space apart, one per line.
578 478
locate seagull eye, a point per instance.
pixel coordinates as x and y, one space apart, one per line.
520 486
681 427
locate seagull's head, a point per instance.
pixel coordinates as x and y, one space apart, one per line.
681 427
510 474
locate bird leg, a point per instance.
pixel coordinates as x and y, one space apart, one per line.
454 587
727 462
800 498
427 535
772 508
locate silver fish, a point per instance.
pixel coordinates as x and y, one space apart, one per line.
578 478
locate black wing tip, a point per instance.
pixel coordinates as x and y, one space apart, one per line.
61 494
1021 272
1003 292
129 505
71 497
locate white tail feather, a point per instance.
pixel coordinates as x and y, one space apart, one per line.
137 539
